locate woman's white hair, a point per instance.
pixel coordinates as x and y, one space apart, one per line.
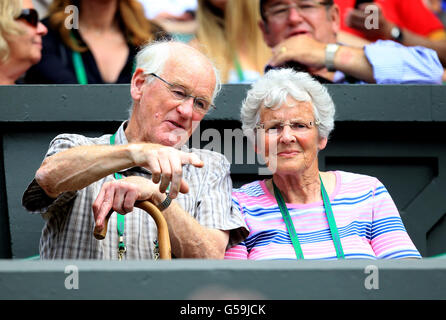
272 90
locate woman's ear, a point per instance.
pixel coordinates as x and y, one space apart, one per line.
322 143
138 80
253 138
256 148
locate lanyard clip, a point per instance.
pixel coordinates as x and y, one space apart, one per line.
156 250
121 248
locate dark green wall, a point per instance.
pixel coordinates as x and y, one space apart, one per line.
211 279
395 133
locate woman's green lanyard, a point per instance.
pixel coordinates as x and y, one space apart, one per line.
121 219
78 64
79 68
290 226
238 68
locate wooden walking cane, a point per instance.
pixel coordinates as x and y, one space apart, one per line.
161 224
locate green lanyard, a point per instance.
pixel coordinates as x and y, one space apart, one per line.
78 64
238 68
121 219
290 226
79 68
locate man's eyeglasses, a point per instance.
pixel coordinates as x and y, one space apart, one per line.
279 12
275 127
30 16
179 93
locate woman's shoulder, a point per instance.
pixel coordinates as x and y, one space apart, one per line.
356 181
251 196
253 188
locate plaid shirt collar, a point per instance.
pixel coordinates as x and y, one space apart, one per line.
120 137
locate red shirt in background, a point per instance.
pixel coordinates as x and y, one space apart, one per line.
412 15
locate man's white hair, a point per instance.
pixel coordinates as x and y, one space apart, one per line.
152 58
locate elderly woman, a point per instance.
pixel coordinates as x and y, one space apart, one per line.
20 39
302 212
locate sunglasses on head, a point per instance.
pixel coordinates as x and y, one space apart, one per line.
30 16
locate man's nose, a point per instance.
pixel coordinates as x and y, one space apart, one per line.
294 15
186 108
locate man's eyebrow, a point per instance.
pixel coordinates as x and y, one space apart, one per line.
189 91
269 5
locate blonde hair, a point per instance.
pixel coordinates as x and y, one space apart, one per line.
221 38
9 11
136 27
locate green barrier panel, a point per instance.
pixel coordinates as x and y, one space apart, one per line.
395 133
208 279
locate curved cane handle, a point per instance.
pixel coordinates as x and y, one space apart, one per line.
161 224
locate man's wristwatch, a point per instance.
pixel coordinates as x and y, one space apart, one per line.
166 203
396 34
330 51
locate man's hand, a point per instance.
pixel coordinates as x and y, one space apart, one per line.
166 165
78 167
303 49
121 195
357 19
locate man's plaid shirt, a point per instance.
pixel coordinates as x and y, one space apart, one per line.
68 232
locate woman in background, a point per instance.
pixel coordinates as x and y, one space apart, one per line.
20 39
228 32
100 48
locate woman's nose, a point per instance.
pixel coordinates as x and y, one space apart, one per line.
41 29
287 135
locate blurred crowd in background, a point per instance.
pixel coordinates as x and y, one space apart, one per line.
103 37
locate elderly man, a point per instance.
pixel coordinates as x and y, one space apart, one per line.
82 178
303 35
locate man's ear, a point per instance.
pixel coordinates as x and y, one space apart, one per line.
138 80
265 31
335 18
263 26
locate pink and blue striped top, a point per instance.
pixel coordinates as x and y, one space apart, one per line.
368 221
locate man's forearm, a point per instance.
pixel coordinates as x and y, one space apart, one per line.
78 167
353 61
189 239
412 39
